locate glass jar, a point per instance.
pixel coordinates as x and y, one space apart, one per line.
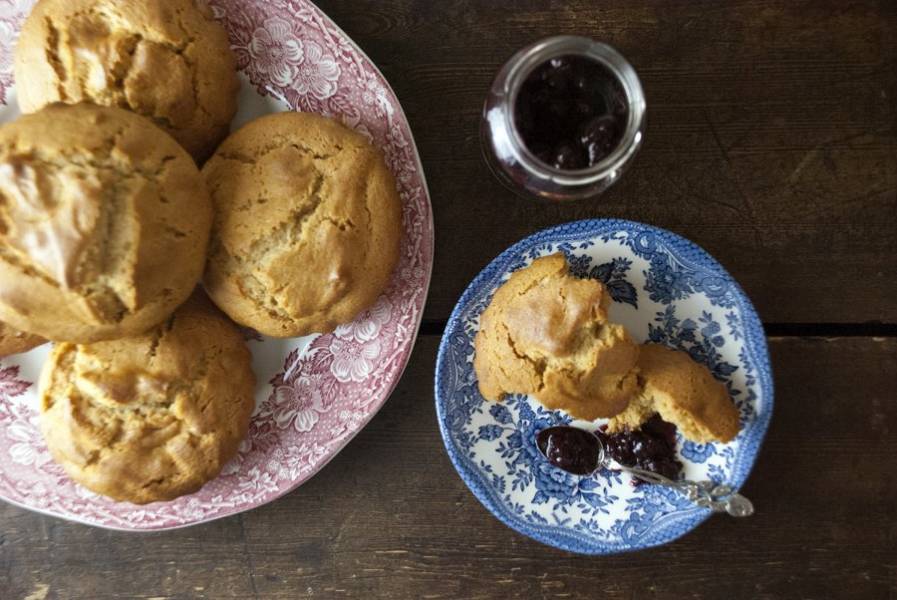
515 165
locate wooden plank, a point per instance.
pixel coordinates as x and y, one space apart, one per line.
771 136
390 518
43 558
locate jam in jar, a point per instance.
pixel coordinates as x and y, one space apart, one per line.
563 119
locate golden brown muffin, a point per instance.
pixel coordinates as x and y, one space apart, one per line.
164 59
684 393
150 417
104 222
307 224
13 341
546 333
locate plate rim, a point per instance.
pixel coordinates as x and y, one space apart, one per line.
753 325
400 372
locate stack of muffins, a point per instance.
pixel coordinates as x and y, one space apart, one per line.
107 226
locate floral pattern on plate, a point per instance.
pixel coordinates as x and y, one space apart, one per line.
314 393
666 290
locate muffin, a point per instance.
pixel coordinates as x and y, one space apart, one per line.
165 59
546 333
104 223
307 224
13 341
150 417
682 392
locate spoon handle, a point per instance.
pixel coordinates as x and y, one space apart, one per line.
707 494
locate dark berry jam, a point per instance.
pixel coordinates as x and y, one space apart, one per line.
571 112
652 447
573 450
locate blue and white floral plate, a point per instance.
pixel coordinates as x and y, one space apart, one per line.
665 289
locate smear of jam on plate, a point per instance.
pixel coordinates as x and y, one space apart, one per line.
571 112
651 447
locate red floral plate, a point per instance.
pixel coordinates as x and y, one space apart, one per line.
315 393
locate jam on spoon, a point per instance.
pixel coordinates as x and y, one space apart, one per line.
651 448
573 450
582 453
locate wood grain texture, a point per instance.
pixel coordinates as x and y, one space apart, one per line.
771 140
390 518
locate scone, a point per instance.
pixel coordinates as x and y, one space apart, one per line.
13 341
684 393
307 224
104 223
546 333
150 417
168 60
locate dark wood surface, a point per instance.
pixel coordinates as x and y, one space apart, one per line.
772 143
390 518
771 140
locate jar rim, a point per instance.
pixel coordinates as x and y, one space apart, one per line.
530 57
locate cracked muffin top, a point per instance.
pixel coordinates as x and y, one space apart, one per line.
154 416
104 222
307 224
168 60
546 333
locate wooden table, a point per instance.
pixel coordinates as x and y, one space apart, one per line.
772 143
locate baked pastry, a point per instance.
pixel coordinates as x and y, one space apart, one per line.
307 224
154 416
13 341
104 222
682 392
165 59
546 333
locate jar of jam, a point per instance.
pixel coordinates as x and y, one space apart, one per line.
563 119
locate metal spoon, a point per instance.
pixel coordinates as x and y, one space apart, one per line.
592 457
